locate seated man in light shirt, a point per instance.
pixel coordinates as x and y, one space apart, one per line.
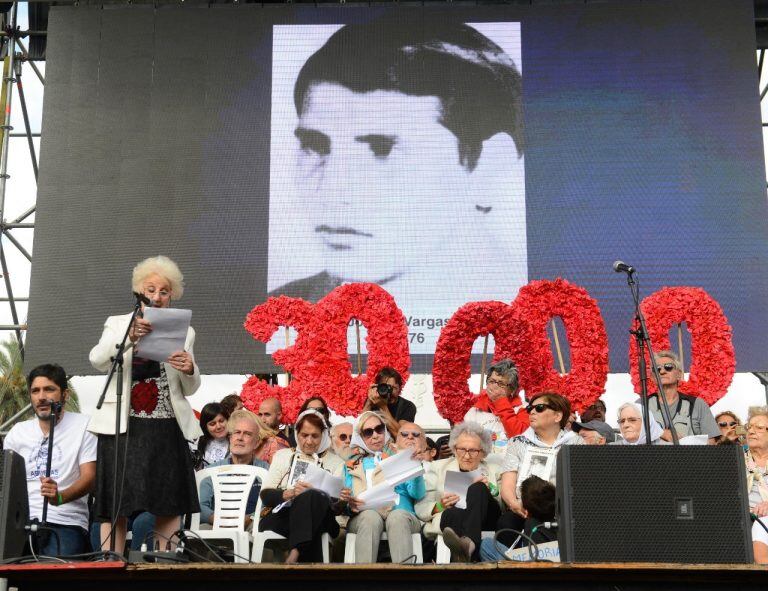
73 463
243 429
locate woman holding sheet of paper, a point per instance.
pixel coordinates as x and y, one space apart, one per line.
291 506
362 472
462 497
156 418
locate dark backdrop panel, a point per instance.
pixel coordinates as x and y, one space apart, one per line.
643 143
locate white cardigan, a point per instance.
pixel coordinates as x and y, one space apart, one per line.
179 384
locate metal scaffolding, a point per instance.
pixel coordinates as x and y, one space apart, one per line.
14 55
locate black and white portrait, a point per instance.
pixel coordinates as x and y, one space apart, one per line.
537 462
397 158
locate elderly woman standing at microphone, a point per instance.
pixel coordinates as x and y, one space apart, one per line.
157 474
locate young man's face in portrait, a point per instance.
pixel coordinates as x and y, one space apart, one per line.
380 175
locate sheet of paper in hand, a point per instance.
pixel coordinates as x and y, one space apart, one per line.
323 480
457 483
401 467
169 333
379 496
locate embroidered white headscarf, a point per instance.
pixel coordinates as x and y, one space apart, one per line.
325 439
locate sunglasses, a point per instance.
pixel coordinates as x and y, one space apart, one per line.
343 437
540 407
414 434
666 367
727 424
367 433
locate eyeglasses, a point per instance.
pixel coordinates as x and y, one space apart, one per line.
666 367
498 383
367 433
466 451
541 407
727 424
758 428
629 420
343 436
414 434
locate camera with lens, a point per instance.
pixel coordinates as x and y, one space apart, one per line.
384 391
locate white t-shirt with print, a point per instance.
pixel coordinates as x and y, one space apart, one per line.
73 445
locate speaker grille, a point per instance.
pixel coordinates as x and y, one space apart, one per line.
623 503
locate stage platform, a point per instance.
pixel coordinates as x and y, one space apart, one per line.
115 576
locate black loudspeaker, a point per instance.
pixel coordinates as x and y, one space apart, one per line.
653 503
14 504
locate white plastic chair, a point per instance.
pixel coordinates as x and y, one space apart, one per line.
260 538
231 486
200 475
444 552
349 547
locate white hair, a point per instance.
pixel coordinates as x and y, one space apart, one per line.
631 405
757 411
159 265
667 354
473 429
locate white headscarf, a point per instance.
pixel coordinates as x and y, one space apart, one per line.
656 429
357 438
325 438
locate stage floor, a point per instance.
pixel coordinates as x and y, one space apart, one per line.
491 576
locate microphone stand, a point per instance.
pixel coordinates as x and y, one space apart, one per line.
643 340
117 368
53 417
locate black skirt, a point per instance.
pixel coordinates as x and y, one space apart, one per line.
159 477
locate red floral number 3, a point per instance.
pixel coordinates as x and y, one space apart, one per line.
318 361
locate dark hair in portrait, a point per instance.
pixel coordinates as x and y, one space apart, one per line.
478 84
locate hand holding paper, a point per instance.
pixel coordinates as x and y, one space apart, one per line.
458 483
322 480
401 467
169 333
380 496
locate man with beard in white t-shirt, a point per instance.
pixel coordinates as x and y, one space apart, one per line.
73 464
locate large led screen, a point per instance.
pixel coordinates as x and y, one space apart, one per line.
448 153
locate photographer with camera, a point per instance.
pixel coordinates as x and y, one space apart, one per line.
384 398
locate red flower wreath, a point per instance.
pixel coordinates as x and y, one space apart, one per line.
451 368
713 361
318 361
325 343
528 345
262 322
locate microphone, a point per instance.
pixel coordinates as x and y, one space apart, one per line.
140 297
55 406
622 267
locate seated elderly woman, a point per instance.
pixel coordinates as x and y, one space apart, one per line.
632 426
462 523
370 442
756 459
534 453
291 507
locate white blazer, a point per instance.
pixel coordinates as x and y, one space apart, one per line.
179 384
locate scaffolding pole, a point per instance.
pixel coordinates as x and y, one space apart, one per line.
11 75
